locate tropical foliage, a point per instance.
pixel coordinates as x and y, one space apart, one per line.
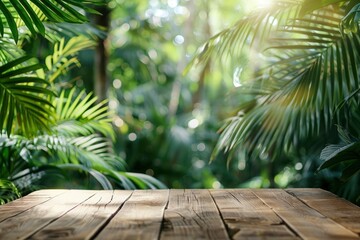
52 130
284 77
307 80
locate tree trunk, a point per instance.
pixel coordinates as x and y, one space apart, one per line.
101 82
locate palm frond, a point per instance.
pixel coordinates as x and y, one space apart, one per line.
144 181
347 155
350 22
98 176
64 55
32 13
23 97
253 30
91 151
80 115
8 191
8 50
312 67
92 154
128 180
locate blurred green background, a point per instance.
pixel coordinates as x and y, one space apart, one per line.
168 123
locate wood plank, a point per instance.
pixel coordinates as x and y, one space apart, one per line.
305 221
139 218
192 214
84 221
331 206
263 232
28 222
247 216
20 205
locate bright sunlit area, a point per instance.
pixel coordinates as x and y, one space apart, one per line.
263 3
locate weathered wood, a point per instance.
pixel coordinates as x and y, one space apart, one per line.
261 232
84 221
28 222
139 218
22 204
180 214
192 214
305 221
247 216
331 206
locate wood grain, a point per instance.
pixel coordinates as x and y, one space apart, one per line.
192 214
273 214
28 222
305 221
22 204
84 221
331 206
247 216
139 218
264 232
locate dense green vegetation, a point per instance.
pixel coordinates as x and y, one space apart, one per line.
270 100
54 134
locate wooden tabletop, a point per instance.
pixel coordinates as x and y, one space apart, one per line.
180 214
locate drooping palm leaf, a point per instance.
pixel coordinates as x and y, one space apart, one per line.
348 155
312 67
252 30
31 13
92 154
56 31
98 176
143 181
345 154
23 97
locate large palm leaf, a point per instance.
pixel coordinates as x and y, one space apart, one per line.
32 13
311 68
23 96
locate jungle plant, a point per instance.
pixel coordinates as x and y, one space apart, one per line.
50 133
307 56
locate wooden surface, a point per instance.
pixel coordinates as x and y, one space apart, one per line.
180 214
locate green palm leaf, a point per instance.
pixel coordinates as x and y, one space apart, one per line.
78 114
32 13
98 176
64 55
23 96
312 68
8 191
310 6
347 155
92 155
253 30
